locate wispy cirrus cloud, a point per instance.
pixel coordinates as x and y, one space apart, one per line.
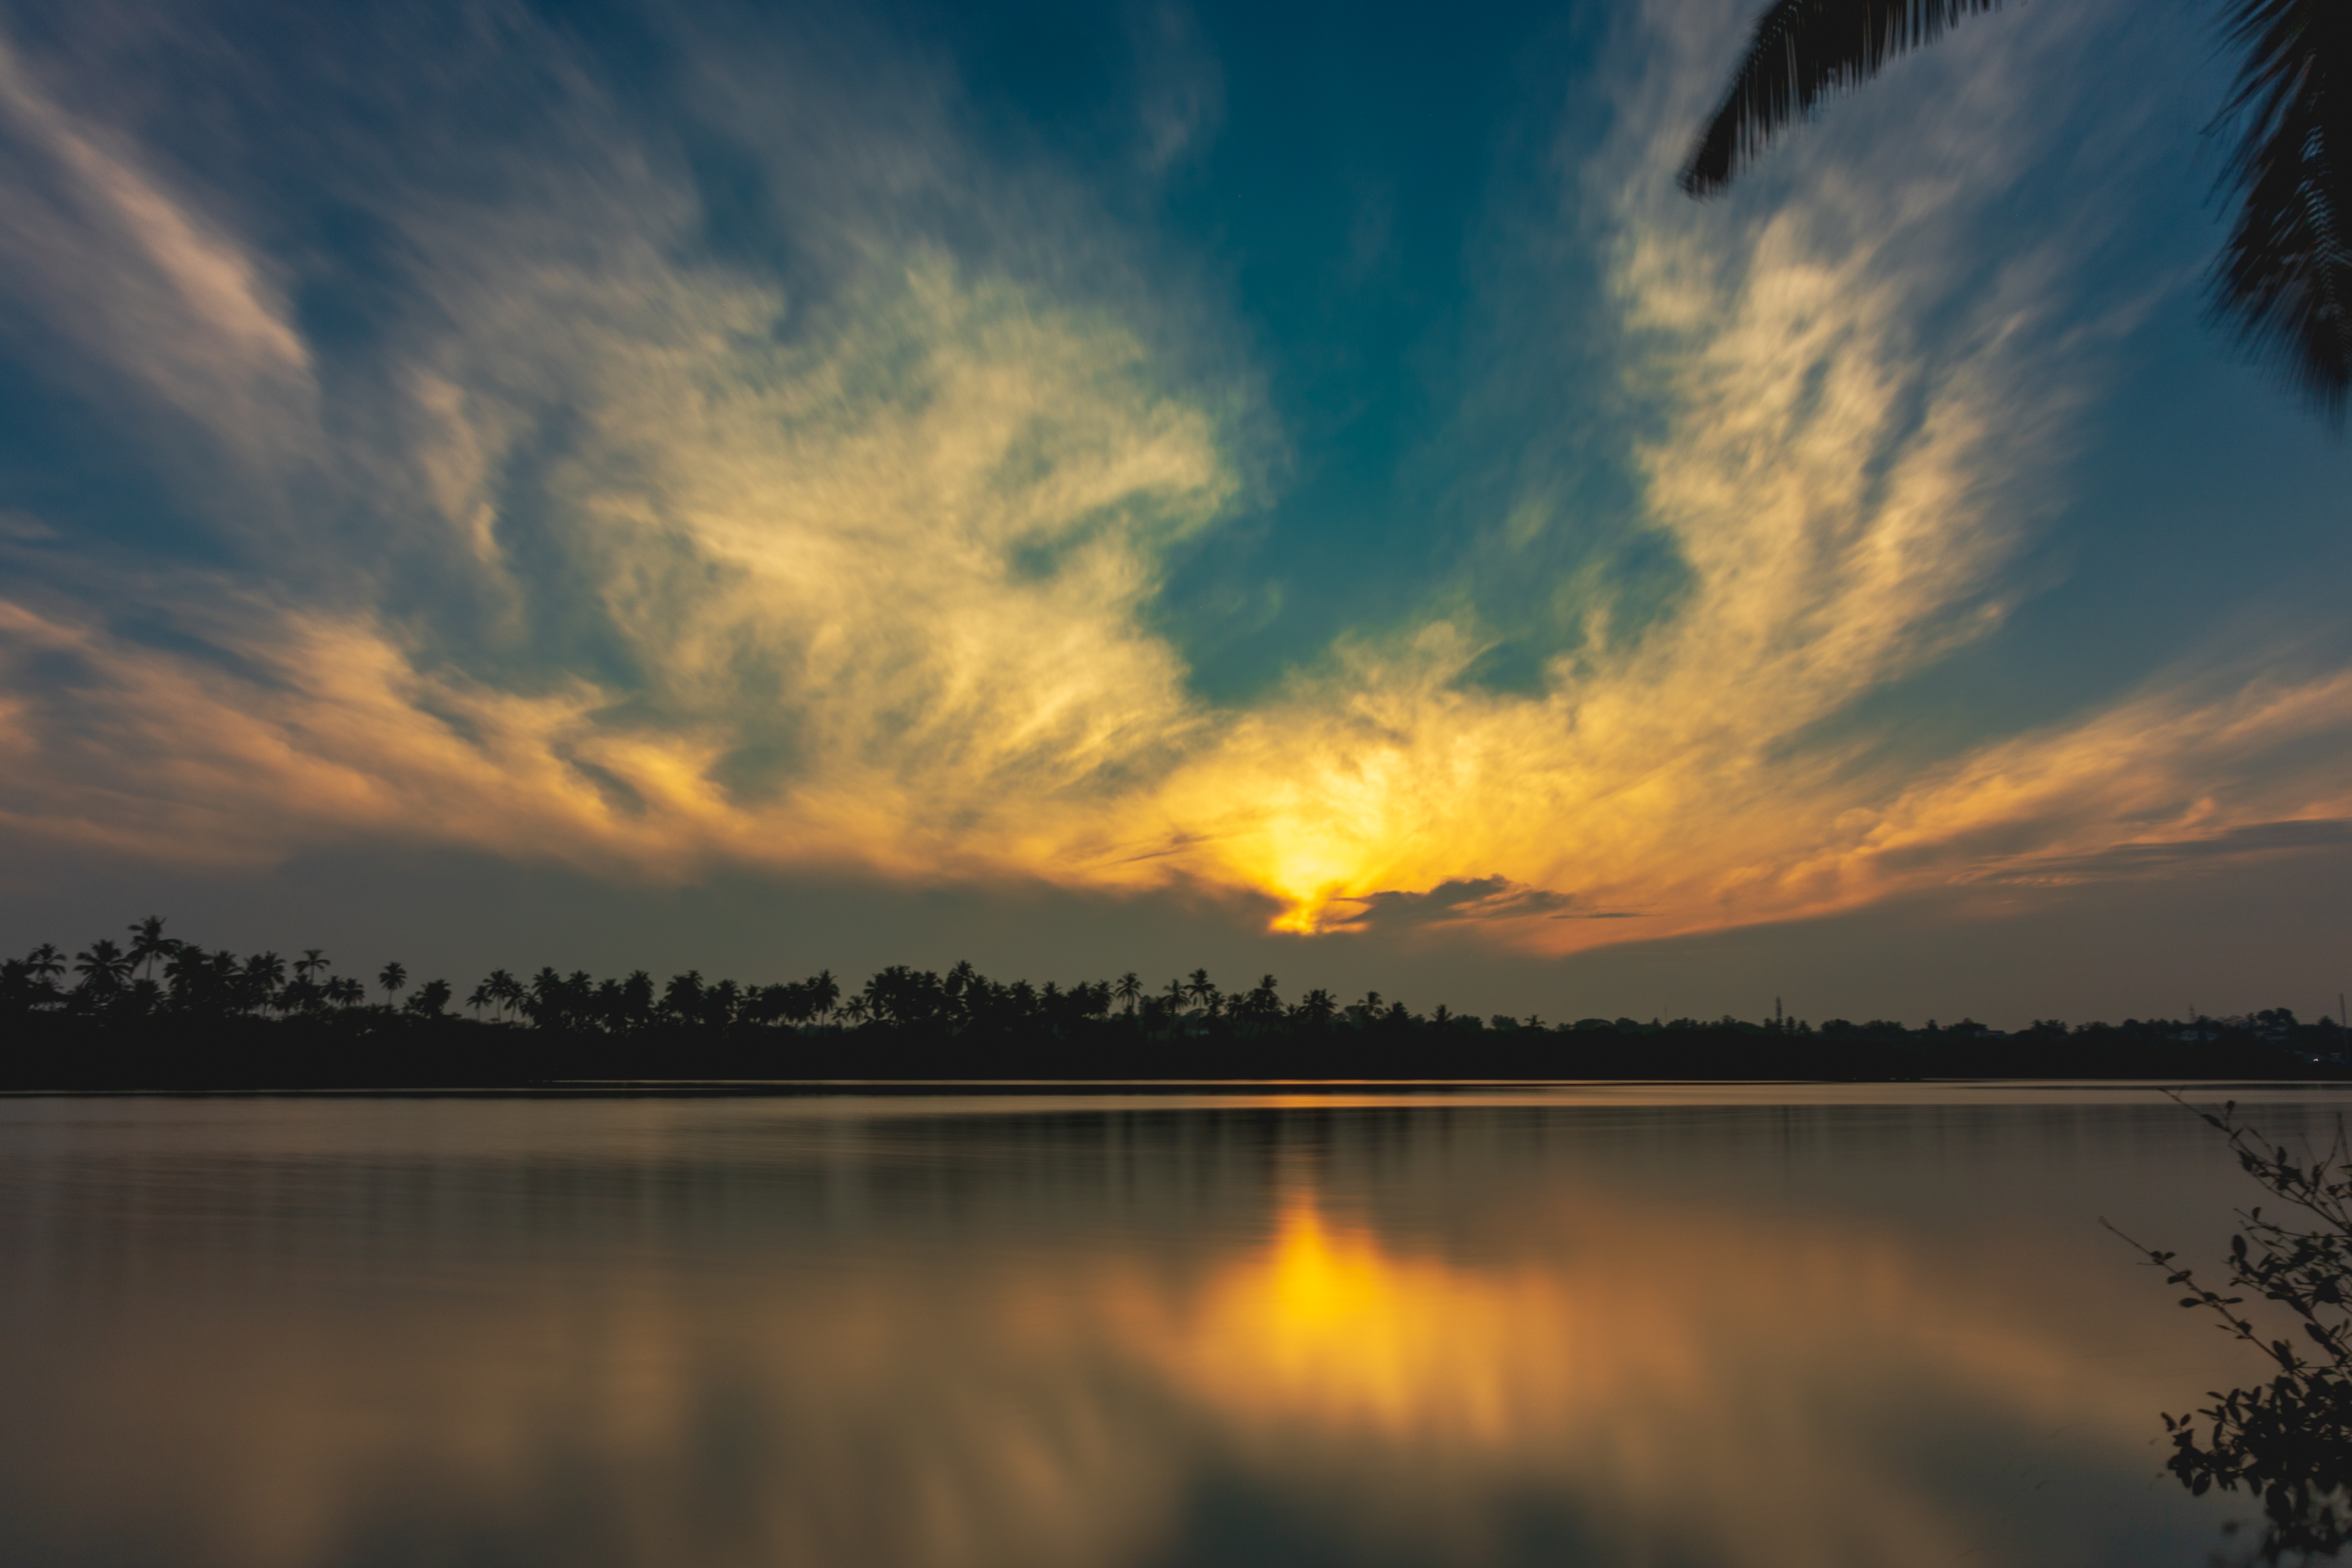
2165 858
686 510
152 292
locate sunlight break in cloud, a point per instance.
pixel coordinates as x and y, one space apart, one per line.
666 565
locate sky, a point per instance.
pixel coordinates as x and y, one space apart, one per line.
1285 489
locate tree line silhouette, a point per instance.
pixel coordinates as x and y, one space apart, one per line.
157 1009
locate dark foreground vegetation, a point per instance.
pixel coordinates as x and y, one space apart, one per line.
156 1012
2286 1442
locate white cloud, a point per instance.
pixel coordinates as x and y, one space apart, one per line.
681 563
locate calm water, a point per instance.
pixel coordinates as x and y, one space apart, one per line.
1709 1327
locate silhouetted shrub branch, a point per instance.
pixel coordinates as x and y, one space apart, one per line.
2287 1442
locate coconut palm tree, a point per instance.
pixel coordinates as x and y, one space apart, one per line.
45 963
149 943
2282 283
682 997
719 1003
542 1001
637 998
505 992
1262 1004
394 978
190 969
262 982
102 967
1127 989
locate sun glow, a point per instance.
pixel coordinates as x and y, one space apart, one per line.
716 579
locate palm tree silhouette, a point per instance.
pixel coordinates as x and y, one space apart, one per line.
262 981
2282 283
480 998
46 963
682 997
307 992
508 992
103 966
823 990
1128 988
637 998
394 978
1263 1003
190 966
149 943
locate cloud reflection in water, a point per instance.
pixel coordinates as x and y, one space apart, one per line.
946 1354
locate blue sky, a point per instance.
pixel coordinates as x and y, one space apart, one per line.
1282 488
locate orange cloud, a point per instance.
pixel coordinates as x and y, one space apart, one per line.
872 585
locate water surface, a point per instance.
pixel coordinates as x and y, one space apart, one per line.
1684 1326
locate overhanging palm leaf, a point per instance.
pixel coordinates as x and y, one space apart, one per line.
2284 282
1802 51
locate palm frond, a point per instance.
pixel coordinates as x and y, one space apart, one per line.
1802 51
2283 282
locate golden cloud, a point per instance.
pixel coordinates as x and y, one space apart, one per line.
717 576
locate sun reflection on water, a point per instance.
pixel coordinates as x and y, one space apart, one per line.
1327 1325
1661 1376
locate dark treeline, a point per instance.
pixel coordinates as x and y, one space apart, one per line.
155 1010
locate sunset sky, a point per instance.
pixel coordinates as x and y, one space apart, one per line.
1285 487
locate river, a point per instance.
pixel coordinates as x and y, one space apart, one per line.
1755 1327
